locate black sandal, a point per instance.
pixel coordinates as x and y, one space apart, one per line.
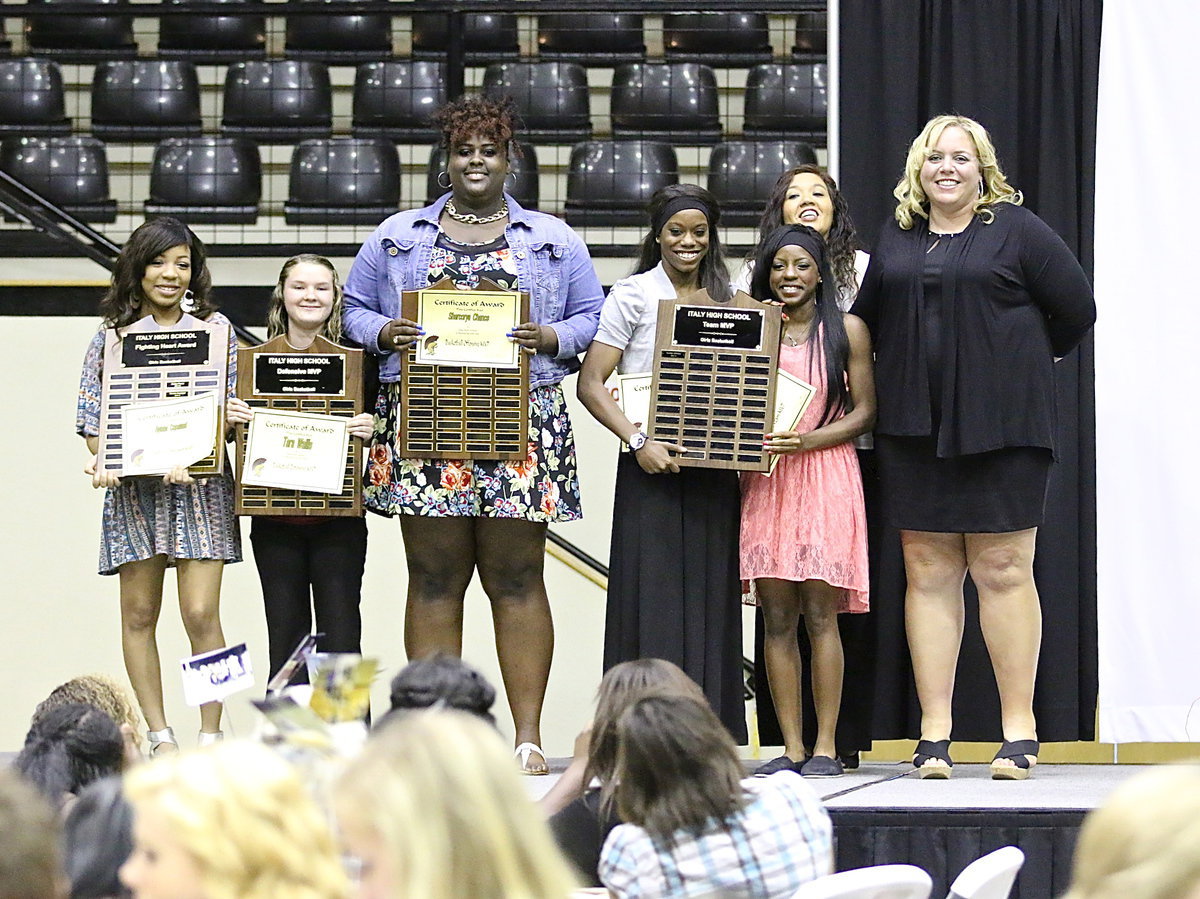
1017 752
927 750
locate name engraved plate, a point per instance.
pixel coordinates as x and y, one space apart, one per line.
159 348
706 326
314 374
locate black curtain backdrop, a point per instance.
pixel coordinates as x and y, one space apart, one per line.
1026 69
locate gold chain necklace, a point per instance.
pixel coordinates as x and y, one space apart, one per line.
468 218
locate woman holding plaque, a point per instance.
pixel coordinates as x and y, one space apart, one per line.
151 524
808 195
970 298
461 516
804 527
308 565
673 589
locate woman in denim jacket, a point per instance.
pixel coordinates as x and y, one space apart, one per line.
457 516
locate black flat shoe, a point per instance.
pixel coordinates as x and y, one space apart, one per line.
783 763
849 760
822 766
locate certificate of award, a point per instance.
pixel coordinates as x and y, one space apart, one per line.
163 434
633 396
468 327
296 450
792 396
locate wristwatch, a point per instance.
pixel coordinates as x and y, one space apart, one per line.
637 441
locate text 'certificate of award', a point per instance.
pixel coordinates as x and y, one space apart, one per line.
163 434
296 450
468 327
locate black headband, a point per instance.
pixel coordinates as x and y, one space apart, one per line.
678 204
785 236
799 236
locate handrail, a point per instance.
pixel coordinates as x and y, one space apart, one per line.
573 557
27 205
32 208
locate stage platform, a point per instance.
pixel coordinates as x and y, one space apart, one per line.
883 814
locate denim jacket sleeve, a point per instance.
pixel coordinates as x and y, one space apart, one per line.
363 299
582 300
555 267
386 265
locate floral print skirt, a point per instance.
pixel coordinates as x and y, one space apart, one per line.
544 487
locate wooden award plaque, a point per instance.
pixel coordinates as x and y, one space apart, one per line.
713 391
452 411
150 363
325 379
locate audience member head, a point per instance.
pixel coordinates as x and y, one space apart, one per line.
29 863
832 219
231 821
434 808
1144 841
621 685
122 304
444 681
994 187
677 767
664 206
104 693
97 839
68 747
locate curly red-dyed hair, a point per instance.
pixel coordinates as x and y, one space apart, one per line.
476 115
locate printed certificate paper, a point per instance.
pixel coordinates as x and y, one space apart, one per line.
792 397
632 393
165 434
296 450
468 327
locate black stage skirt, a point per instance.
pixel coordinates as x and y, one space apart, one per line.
984 493
673 586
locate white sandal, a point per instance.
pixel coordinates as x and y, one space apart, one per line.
157 738
206 738
523 752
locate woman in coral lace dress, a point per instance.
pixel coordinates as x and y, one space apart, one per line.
803 532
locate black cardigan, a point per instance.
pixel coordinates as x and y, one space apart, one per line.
1013 298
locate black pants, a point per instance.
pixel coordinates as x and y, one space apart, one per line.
307 567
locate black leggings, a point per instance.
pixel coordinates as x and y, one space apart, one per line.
326 556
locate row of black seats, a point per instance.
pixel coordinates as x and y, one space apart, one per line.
717 38
288 100
342 181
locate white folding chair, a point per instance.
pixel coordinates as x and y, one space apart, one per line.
990 877
875 882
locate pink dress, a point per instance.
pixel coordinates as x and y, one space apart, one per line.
807 521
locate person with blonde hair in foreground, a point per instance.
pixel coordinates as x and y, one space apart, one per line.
1144 841
231 821
434 808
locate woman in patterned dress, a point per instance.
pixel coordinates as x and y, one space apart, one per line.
151 524
459 516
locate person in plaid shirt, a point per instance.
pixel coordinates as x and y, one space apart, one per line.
694 826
